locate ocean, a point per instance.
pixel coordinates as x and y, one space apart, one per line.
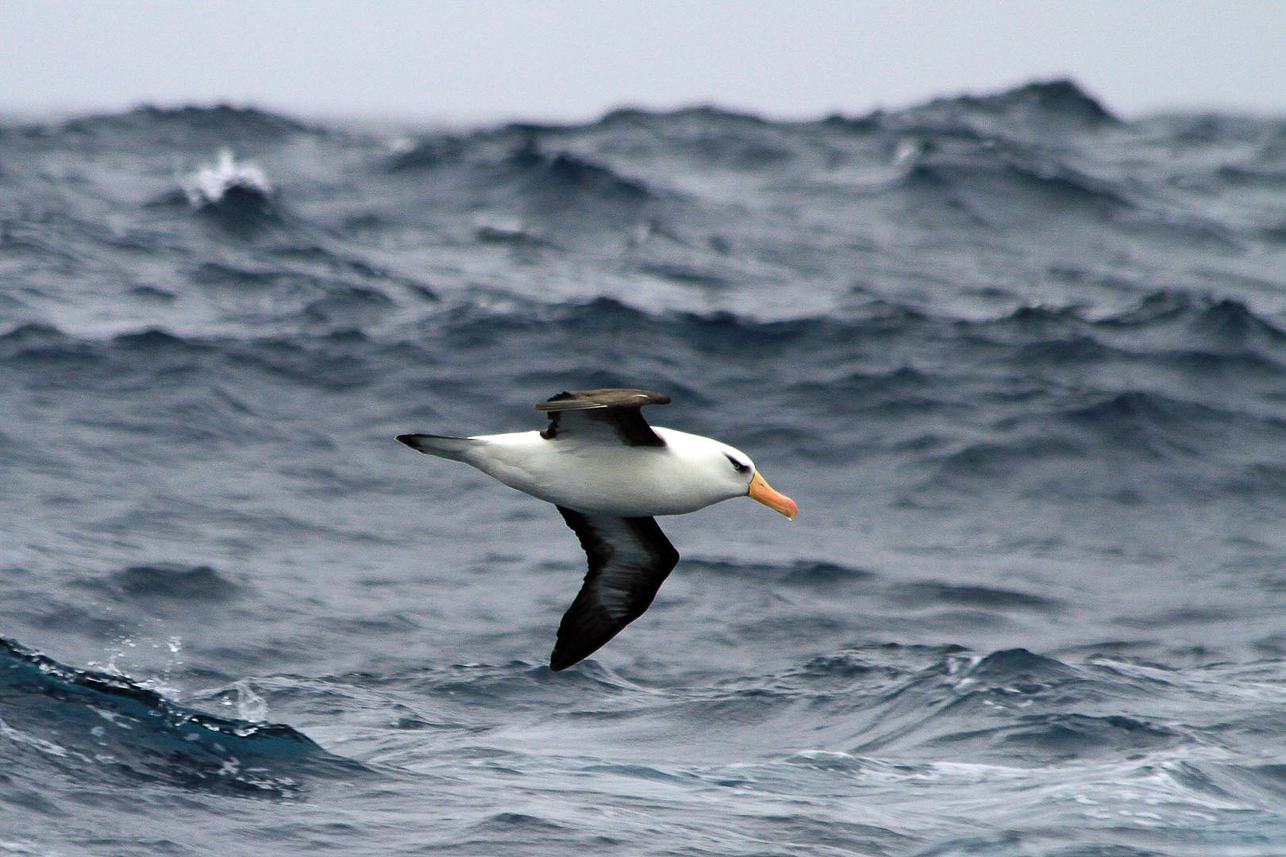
1021 362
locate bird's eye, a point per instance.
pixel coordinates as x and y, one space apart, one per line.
740 467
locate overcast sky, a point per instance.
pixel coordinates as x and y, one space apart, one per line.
486 60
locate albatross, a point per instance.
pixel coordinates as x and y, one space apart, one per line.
610 473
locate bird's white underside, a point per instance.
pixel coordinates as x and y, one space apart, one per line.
586 474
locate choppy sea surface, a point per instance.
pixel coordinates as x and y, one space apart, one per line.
1021 362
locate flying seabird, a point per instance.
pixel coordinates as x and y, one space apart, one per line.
609 473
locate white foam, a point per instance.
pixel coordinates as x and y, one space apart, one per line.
208 185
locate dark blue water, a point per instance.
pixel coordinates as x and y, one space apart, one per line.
1021 362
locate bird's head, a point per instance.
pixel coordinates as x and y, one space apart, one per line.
741 471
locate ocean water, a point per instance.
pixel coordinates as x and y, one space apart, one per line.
1021 362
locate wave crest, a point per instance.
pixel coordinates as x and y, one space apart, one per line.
87 718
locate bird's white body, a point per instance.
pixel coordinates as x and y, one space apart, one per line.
688 473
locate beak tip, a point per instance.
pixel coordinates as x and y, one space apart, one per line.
775 500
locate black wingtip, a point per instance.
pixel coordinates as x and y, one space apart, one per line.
559 662
409 440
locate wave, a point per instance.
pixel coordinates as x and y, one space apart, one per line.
1040 108
78 718
880 355
936 592
1057 104
999 185
983 146
192 125
870 702
565 173
640 201
234 194
526 159
1164 327
708 135
169 581
1011 706
427 153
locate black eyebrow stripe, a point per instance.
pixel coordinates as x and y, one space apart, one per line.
737 465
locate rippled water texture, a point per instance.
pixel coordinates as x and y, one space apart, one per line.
1021 362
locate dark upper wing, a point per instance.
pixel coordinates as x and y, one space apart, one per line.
629 558
610 413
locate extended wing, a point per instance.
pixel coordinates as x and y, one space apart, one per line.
602 413
629 559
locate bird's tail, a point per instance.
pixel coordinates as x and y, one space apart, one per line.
440 445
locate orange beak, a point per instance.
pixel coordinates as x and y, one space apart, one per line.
763 492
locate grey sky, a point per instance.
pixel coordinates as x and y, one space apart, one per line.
573 59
